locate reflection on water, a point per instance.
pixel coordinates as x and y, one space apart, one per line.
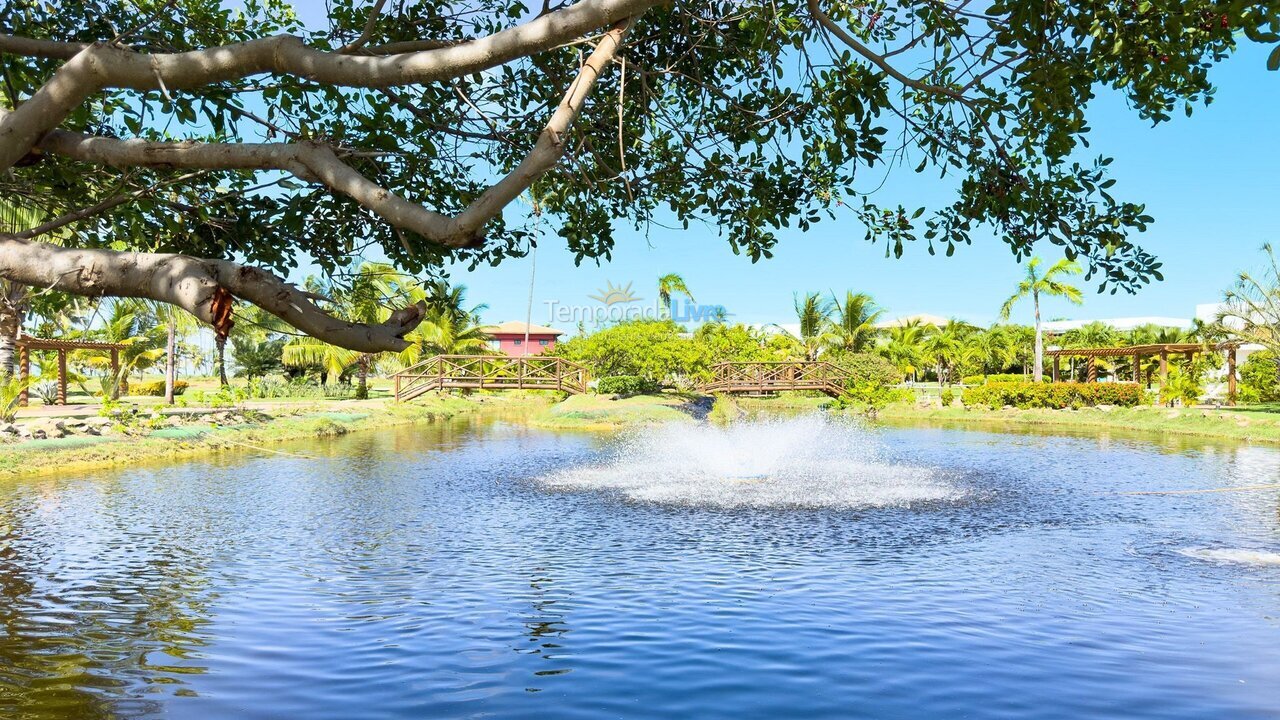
433 572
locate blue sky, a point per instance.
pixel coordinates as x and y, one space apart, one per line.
1209 180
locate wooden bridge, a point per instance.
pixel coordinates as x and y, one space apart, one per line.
490 372
766 378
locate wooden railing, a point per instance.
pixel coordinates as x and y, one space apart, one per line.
771 377
490 372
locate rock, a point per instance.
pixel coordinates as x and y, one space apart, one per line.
8 429
1106 408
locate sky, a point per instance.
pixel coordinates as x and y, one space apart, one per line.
1212 182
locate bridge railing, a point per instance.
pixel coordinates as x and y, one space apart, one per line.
774 376
490 372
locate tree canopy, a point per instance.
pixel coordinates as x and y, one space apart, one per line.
233 144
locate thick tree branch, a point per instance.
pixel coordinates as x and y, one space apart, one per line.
204 288
314 162
99 66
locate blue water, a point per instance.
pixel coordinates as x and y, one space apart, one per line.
437 572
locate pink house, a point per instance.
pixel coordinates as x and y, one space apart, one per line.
509 338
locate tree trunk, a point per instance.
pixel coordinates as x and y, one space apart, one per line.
10 322
1039 366
362 375
170 364
220 358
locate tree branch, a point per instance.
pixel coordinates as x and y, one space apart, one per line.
204 288
315 162
99 66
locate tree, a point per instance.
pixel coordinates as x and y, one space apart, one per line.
905 347
257 359
668 285
652 349
945 346
412 127
1047 284
853 325
813 314
130 324
1251 308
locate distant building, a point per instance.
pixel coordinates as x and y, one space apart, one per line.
509 338
1123 324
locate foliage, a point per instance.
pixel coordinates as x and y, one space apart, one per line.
257 359
869 368
626 385
948 397
652 349
1025 394
668 285
1184 385
853 325
10 395
156 388
1252 306
1260 378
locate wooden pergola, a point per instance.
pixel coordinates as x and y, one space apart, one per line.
26 344
1161 350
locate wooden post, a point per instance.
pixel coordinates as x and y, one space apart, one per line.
397 379
1093 370
115 372
24 375
1056 363
1231 375
1137 368
62 377
1164 369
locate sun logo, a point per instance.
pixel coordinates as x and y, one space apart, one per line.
612 294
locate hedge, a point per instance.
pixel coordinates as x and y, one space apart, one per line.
1052 395
156 388
626 385
996 378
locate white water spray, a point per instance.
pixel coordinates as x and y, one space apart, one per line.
813 461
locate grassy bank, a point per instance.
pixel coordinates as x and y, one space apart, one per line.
1245 424
603 412
322 419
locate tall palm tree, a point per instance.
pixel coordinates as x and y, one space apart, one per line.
1046 284
814 314
668 285
853 327
994 348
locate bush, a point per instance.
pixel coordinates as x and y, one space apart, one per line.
1055 396
626 385
1006 378
156 388
973 380
867 368
1260 378
948 397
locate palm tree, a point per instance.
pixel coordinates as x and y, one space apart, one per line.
131 325
304 350
442 332
946 348
994 349
814 314
668 285
1035 285
905 347
853 328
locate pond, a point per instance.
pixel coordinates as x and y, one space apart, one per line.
788 568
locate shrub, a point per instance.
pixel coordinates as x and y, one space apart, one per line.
1025 394
1260 378
869 368
156 388
973 380
948 397
626 385
1005 378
